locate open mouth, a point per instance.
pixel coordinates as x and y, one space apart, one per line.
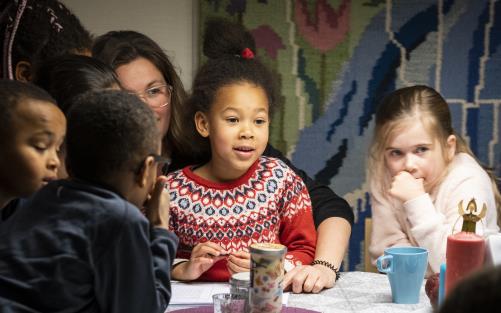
243 149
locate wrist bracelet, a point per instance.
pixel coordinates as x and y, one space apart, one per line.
329 266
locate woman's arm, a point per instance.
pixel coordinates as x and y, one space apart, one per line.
333 235
333 218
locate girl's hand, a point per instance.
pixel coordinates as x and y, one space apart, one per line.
307 278
203 256
405 187
156 207
239 262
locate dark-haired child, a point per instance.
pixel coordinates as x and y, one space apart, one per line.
68 76
35 30
239 197
82 245
32 129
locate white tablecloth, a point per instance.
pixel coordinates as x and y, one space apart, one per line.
358 292
355 292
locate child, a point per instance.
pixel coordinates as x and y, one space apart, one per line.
34 30
67 76
420 170
32 129
239 197
82 244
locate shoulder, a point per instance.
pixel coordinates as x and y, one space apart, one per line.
464 167
99 206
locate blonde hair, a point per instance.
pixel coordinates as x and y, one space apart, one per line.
407 103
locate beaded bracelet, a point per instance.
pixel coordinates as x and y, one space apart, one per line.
329 266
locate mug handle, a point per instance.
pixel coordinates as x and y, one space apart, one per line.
389 267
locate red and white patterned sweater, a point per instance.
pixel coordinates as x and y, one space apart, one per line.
269 203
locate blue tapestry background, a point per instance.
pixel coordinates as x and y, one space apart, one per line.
337 58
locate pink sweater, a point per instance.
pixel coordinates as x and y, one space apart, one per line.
427 220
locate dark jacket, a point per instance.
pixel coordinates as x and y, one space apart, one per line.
76 247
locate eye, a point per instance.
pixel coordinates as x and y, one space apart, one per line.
260 121
153 91
421 150
395 153
232 120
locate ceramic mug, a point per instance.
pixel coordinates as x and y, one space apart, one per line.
405 267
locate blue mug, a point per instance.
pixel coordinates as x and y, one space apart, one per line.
405 267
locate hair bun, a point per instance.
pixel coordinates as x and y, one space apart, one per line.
225 38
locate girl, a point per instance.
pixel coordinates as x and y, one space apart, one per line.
34 30
239 197
141 64
420 169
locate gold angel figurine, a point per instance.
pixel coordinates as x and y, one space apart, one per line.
470 216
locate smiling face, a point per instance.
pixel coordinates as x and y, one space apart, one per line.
412 148
141 75
237 127
29 159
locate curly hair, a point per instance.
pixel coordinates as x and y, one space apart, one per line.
67 76
231 51
34 30
12 93
108 131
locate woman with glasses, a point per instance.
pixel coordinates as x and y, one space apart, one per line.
144 69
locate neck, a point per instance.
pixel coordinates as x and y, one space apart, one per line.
213 172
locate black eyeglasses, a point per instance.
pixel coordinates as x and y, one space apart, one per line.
160 160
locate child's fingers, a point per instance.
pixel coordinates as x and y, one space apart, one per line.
240 262
208 248
236 268
157 205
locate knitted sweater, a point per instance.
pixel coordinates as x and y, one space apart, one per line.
427 220
269 203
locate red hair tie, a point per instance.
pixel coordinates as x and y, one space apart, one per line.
247 54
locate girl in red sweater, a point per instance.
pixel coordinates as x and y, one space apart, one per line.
238 197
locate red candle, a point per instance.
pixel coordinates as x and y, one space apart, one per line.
464 254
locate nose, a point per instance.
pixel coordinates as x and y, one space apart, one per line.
410 163
53 161
246 131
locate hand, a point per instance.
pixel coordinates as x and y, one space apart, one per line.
307 278
405 187
158 204
203 256
239 262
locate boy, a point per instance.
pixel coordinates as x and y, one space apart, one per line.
32 129
82 245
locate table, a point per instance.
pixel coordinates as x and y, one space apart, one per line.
356 292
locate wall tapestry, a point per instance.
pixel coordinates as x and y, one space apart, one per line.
336 58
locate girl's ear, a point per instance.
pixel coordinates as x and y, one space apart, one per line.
23 72
451 147
202 124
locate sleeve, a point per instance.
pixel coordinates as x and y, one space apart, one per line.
297 230
432 223
133 275
386 229
325 203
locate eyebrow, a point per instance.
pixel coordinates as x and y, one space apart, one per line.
414 146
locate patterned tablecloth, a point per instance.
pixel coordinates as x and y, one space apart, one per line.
359 292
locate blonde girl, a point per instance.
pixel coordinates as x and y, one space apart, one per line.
419 171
